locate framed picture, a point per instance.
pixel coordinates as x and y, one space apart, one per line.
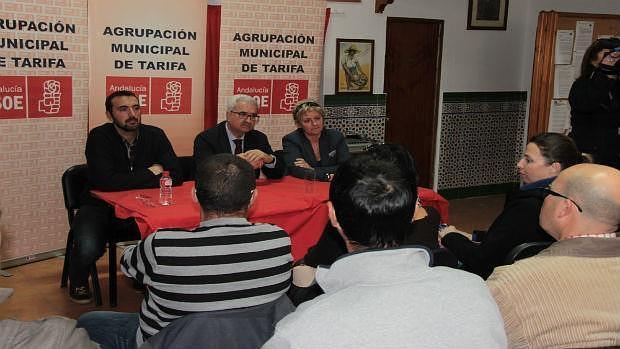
355 60
487 14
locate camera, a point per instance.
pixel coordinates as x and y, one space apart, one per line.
612 44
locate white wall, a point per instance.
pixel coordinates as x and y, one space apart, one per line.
472 60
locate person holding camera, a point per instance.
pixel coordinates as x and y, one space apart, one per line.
595 103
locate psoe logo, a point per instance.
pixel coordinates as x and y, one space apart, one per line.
50 103
172 98
291 96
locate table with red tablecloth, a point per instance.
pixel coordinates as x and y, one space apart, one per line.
297 206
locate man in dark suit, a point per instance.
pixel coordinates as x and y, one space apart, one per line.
237 136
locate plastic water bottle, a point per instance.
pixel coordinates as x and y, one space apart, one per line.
165 189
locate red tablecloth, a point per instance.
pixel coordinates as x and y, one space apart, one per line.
297 206
429 198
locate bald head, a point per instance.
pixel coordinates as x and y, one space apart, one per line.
596 189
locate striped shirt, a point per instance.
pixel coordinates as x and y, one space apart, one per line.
226 263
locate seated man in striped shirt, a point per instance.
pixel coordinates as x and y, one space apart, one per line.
225 263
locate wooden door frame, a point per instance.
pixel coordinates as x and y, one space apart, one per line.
438 57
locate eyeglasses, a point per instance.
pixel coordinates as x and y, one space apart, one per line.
244 115
547 189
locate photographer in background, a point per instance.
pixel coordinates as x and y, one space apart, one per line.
595 103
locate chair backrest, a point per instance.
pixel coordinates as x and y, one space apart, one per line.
232 329
74 180
188 167
525 250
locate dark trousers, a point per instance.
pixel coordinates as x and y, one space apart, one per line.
92 226
110 329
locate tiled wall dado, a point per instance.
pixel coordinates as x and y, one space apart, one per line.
363 115
482 138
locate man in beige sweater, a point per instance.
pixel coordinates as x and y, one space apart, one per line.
568 295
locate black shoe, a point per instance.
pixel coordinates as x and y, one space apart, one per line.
80 294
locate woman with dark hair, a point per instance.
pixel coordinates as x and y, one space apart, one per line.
545 156
595 103
312 151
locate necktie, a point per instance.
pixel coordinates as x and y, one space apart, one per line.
238 146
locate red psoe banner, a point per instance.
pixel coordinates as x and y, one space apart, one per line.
13 97
273 96
260 89
137 85
171 96
50 96
286 93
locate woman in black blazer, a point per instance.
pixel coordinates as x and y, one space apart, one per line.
312 151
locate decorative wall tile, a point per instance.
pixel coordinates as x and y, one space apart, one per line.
482 138
362 115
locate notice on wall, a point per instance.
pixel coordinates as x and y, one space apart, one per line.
36 47
564 46
559 116
584 31
159 55
563 80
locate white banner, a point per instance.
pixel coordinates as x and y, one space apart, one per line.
155 48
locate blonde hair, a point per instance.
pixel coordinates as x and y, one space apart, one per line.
302 107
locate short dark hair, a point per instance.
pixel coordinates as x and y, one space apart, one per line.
373 201
224 184
556 147
120 93
401 157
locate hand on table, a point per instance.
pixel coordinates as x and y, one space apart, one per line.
299 162
156 169
256 158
